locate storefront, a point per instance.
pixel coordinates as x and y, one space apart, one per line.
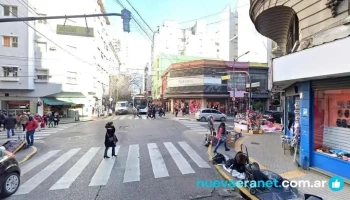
218 104
18 107
191 105
324 104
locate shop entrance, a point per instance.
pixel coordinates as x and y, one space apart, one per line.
18 107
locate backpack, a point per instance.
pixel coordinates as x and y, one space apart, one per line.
218 159
229 163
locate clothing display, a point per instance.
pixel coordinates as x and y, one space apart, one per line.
13 145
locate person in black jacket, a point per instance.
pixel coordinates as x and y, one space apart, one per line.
10 124
110 139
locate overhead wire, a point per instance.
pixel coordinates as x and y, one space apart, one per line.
139 16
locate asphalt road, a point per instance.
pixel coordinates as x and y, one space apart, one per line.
156 159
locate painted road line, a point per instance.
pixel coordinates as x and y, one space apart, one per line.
40 177
132 169
66 181
36 162
158 164
131 117
144 117
104 170
122 117
179 160
194 155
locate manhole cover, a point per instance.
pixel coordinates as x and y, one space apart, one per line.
74 137
255 143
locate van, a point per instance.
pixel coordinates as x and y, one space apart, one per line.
121 108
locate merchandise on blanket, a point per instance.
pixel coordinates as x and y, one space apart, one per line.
12 145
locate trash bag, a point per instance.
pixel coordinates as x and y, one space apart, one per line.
229 163
218 159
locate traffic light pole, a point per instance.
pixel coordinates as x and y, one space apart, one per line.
21 19
126 16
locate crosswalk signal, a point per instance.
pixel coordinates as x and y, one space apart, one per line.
126 16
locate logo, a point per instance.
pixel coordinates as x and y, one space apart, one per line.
336 183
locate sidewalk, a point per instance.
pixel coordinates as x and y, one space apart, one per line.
186 117
81 119
266 149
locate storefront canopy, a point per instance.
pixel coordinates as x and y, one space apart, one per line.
63 101
57 101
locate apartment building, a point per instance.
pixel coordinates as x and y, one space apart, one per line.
44 69
172 44
312 72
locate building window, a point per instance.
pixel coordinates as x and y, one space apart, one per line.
293 34
9 41
10 11
42 46
10 71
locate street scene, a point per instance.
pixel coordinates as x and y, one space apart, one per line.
176 100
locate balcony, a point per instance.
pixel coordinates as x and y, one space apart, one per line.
288 21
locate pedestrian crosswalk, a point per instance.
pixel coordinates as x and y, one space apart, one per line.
195 126
131 157
38 135
130 117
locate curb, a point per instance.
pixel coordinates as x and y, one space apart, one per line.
30 155
76 122
224 175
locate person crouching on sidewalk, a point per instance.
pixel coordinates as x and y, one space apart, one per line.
110 139
221 134
31 126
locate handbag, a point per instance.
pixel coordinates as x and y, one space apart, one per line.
115 139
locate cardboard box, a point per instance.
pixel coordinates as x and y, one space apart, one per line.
253 131
230 140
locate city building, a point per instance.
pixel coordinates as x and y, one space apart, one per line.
160 65
259 73
45 68
197 41
249 39
192 84
313 74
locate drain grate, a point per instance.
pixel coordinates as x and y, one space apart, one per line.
255 143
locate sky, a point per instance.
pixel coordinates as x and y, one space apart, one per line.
154 12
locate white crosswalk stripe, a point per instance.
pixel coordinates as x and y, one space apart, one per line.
52 161
129 117
39 134
195 126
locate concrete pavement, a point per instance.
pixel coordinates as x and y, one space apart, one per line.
156 160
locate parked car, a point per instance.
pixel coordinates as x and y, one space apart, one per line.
203 114
10 174
273 116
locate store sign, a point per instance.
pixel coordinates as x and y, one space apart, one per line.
75 30
192 81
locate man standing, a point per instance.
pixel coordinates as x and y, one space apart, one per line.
10 124
31 126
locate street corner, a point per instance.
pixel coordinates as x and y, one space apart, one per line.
25 154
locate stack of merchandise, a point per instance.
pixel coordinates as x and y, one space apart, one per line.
254 119
270 127
14 145
337 153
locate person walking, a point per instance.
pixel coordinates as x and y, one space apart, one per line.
110 139
2 119
24 119
18 119
56 120
221 134
31 126
10 124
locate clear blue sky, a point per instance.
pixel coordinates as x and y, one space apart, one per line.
155 11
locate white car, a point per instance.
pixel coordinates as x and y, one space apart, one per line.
203 114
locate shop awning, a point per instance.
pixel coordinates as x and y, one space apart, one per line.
57 101
77 100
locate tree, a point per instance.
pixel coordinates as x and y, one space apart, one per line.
121 86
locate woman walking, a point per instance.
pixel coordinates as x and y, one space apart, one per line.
222 137
110 139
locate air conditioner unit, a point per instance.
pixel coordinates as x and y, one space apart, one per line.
52 48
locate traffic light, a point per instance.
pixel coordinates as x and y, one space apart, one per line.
126 16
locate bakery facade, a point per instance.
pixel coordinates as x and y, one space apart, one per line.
194 86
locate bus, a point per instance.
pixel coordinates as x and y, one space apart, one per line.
141 101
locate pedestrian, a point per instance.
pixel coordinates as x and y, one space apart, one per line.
56 120
51 117
24 119
10 124
110 139
31 126
211 125
221 135
18 119
2 120
154 112
176 111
